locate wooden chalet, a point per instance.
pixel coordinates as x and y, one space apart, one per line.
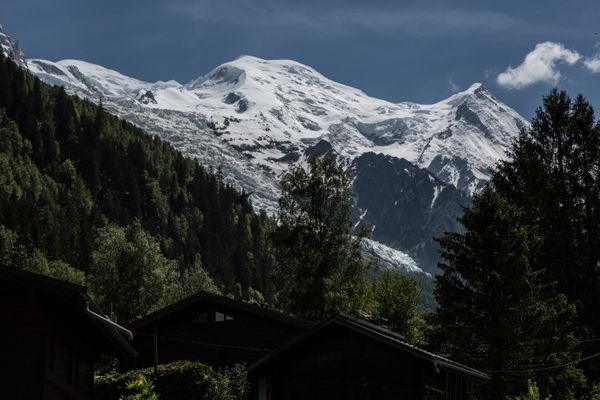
51 334
346 358
213 329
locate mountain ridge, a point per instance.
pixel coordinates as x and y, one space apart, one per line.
250 118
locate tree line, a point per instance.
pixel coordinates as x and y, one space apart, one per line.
87 197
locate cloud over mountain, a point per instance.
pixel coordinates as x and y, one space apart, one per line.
539 65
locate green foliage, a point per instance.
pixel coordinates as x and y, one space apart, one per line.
70 171
594 393
191 280
533 393
13 254
174 381
58 269
322 269
231 383
128 273
140 388
396 299
495 310
554 176
255 297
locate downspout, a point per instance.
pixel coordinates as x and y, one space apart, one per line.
102 318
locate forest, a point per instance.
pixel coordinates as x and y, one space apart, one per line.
87 197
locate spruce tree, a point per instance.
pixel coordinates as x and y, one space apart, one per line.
553 174
495 312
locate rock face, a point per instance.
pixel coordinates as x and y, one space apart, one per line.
407 206
12 50
412 165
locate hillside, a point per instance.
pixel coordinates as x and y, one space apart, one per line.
71 169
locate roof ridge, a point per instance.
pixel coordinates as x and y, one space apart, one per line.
203 295
380 333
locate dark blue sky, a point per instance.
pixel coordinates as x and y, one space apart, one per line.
418 51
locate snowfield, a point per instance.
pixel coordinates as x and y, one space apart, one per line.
253 118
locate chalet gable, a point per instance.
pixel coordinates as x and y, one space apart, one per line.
204 307
214 329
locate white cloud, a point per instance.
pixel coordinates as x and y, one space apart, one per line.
540 65
593 64
453 86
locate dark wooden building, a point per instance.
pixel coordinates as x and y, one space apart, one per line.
346 358
213 329
51 334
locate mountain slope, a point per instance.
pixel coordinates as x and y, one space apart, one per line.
251 118
269 110
71 173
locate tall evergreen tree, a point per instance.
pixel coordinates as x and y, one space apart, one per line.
495 312
321 264
554 176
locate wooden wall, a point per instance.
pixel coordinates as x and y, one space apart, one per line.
40 357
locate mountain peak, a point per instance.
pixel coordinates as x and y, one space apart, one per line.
475 91
476 87
12 50
234 73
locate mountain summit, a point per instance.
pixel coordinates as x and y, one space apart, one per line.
252 117
12 50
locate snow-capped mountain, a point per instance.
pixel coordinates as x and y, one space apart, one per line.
12 49
253 117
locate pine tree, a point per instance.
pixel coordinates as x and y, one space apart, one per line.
554 176
495 311
321 264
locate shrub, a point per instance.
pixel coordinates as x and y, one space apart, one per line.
174 381
140 388
230 383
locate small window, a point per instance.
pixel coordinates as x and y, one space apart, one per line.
220 317
200 318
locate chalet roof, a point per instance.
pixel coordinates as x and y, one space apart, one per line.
377 333
205 297
75 296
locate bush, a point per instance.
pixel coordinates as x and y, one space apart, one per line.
174 381
230 383
533 393
140 388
